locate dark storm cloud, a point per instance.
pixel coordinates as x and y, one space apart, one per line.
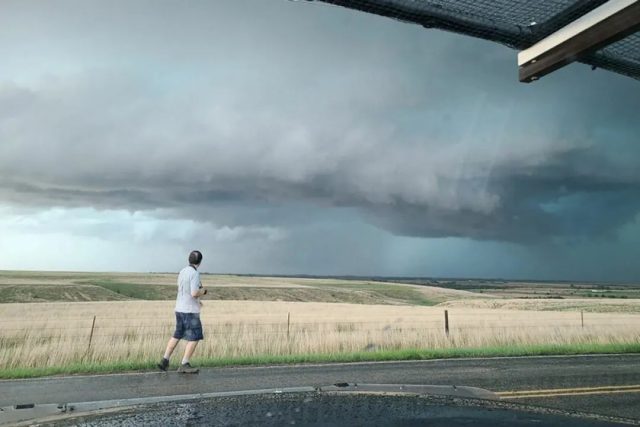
236 116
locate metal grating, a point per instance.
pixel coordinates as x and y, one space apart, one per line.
622 57
515 23
628 48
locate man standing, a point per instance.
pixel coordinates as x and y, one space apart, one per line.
188 324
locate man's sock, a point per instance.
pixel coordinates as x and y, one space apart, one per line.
185 361
167 356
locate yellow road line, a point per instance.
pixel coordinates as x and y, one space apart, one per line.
570 391
562 390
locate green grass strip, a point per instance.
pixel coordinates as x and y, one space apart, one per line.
368 356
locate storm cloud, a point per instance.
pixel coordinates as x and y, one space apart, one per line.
209 113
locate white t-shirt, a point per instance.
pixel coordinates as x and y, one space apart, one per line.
188 282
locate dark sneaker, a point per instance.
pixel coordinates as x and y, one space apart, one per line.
164 364
186 368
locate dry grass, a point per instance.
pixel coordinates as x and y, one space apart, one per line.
591 305
57 334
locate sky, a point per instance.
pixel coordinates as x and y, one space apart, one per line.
283 137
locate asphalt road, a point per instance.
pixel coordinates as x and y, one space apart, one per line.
607 385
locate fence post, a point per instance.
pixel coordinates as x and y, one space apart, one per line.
288 323
91 335
582 318
446 322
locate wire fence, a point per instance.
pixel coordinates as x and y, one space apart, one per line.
60 340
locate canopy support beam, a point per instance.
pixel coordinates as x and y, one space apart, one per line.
604 25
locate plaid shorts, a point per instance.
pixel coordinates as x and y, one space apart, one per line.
188 326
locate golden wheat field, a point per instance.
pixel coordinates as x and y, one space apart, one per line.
57 334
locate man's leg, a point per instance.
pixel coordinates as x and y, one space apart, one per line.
186 367
171 345
188 351
193 335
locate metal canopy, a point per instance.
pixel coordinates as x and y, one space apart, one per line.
521 24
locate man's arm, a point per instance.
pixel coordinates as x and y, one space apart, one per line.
196 290
199 293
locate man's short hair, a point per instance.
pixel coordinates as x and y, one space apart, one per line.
195 257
